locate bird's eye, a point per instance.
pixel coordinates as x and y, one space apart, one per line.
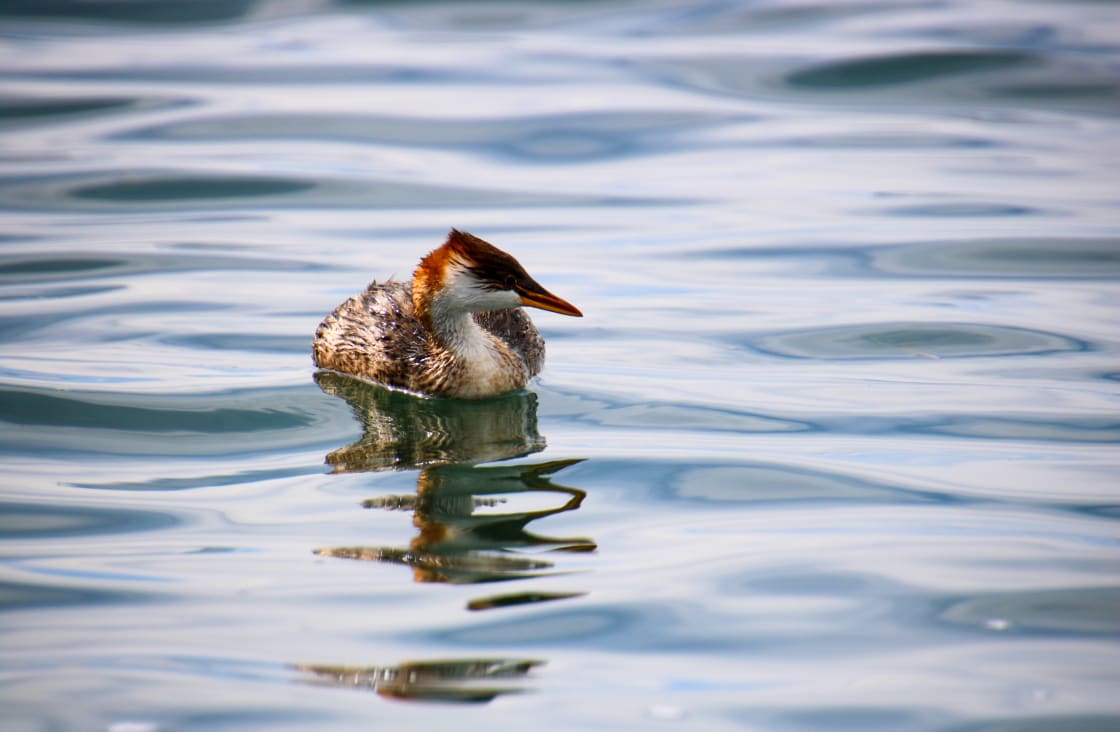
509 281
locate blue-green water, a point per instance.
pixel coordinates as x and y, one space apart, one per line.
834 448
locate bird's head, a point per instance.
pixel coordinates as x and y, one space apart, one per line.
472 275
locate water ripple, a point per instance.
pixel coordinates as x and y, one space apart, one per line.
137 190
961 209
31 521
1026 257
1020 257
38 110
1069 611
23 595
758 482
907 340
182 188
905 68
23 268
553 138
234 422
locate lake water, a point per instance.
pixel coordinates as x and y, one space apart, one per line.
834 448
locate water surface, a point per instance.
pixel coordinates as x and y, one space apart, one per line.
834 448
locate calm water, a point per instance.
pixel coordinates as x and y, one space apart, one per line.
834 448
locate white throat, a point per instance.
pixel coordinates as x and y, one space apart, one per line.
458 332
488 366
461 295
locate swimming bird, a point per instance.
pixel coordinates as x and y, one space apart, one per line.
456 330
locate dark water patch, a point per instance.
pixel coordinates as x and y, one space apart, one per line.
15 328
62 424
572 145
579 138
195 11
960 209
24 267
1026 257
750 483
144 191
53 264
680 416
127 412
188 188
21 112
52 293
904 68
909 340
778 483
1090 611
1005 32
991 77
245 477
24 595
249 342
38 110
1110 511
1011 258
725 18
228 72
1042 428
835 260
1044 723
1045 427
30 521
1087 611
273 716
853 718
881 140
1065 91
802 581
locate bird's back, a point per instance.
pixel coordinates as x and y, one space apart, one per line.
376 335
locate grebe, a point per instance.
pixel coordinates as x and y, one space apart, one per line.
456 330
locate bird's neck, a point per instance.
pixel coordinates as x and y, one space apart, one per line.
479 364
457 331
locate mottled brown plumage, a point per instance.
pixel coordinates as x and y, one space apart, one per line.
455 330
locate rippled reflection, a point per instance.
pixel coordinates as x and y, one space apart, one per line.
467 530
457 543
446 681
401 431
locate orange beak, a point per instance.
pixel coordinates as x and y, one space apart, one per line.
545 300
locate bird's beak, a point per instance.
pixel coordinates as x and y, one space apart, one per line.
545 300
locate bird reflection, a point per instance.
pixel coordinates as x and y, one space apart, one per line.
468 527
445 681
403 431
456 543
